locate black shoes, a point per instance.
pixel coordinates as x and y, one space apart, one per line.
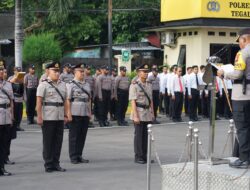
239 164
56 168
123 123
19 129
3 172
7 161
140 161
81 160
155 122
59 169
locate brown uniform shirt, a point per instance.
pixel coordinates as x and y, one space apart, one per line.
155 81
103 82
121 83
5 114
30 81
80 101
135 93
49 94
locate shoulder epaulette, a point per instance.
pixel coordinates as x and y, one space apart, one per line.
44 80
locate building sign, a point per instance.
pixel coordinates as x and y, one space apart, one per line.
125 55
85 53
231 9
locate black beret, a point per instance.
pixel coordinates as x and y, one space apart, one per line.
105 67
155 69
122 68
32 66
53 64
143 67
67 65
114 69
18 69
87 66
243 32
79 65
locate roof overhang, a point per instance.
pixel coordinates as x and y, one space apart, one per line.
200 23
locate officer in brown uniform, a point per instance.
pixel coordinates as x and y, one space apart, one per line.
113 102
142 114
66 75
121 89
104 92
30 83
154 79
6 117
51 114
18 90
79 103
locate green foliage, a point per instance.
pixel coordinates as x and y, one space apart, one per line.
6 5
132 75
40 48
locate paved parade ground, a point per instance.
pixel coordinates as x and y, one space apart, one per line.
110 151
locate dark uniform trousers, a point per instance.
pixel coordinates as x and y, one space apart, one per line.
4 143
104 105
78 129
96 108
199 106
52 142
18 114
160 103
156 96
186 103
219 105
171 107
166 102
141 140
31 103
241 115
204 104
113 108
122 104
178 104
193 104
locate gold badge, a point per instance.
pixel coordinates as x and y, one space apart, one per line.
145 66
56 65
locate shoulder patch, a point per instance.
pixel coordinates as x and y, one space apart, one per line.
239 63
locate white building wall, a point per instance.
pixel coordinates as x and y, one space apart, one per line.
197 46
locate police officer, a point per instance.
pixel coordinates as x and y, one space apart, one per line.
96 110
140 95
241 98
6 117
18 89
31 83
178 92
66 76
121 90
51 114
113 105
79 103
155 81
104 93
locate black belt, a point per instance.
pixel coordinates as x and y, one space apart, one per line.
5 106
79 99
122 90
142 106
18 95
241 81
57 104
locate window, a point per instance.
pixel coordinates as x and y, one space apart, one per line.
184 33
182 57
222 33
190 33
233 34
211 33
195 33
179 34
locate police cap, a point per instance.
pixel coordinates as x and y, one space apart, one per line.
79 66
122 68
143 67
67 65
87 67
105 67
114 69
245 31
31 66
18 69
53 65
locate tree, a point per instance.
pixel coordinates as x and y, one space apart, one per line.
18 33
41 48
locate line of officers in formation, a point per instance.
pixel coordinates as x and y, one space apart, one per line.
67 98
